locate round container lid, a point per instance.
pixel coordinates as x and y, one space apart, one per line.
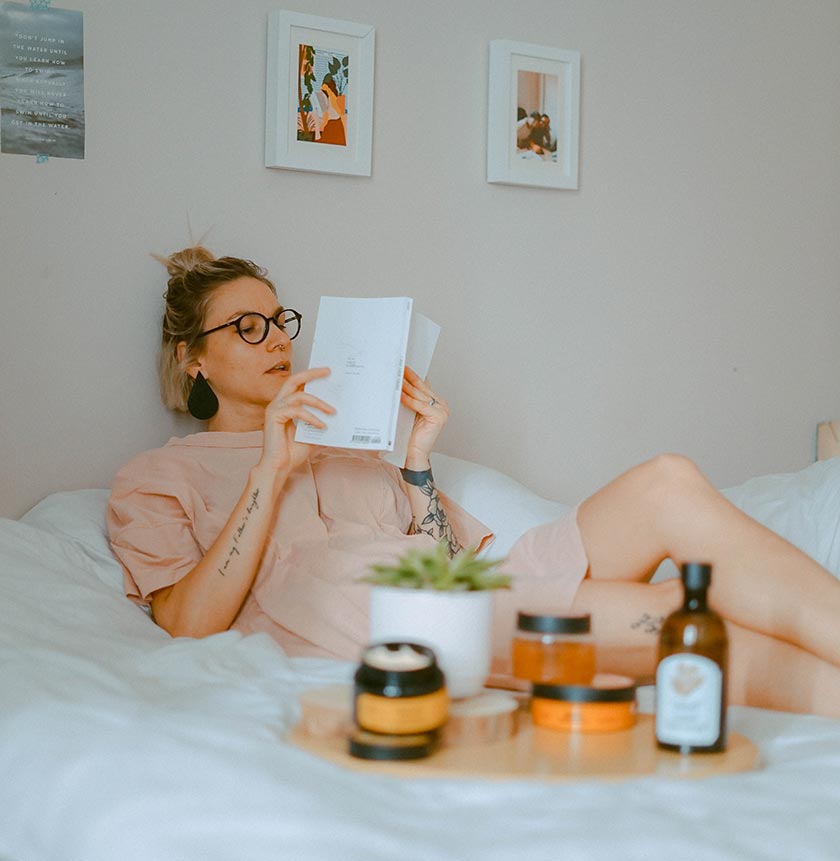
605 688
398 657
379 746
553 624
420 673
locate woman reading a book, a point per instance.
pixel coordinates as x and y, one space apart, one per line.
242 527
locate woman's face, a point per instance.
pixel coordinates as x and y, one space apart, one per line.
245 377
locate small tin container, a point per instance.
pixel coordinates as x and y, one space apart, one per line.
556 650
608 704
393 748
399 689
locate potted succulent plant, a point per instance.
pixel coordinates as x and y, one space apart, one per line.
445 603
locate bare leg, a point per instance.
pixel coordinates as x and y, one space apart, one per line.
770 674
666 508
763 671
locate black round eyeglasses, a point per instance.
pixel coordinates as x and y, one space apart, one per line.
253 327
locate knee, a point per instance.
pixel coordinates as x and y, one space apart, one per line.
669 476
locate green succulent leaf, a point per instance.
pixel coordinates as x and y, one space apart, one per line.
433 569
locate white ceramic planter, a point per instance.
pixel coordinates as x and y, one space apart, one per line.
456 625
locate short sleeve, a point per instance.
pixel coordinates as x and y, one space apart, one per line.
471 533
152 536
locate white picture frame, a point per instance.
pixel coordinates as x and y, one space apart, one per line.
312 123
533 79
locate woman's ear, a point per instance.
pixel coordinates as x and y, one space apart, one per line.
192 367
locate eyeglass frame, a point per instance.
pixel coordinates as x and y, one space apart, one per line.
296 315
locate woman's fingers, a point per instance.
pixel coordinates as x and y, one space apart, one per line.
295 382
305 415
412 376
292 393
311 401
292 412
419 389
423 400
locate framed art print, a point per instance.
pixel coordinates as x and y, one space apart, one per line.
533 124
319 94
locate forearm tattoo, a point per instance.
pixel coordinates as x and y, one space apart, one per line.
435 523
649 624
253 505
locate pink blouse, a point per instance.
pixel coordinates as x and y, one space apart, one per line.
338 514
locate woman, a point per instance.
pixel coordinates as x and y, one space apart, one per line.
241 526
331 123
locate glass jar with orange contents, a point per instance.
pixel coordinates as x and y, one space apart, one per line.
553 650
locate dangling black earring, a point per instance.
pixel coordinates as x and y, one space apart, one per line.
202 402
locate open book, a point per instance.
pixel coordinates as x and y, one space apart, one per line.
367 343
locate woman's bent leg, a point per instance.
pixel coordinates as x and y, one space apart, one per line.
763 671
767 673
666 508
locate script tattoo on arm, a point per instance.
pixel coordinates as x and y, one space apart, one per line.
649 624
435 523
253 505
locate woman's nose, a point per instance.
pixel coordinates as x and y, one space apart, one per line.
277 337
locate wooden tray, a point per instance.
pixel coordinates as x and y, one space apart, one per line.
542 754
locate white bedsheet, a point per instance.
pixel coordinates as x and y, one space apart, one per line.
118 742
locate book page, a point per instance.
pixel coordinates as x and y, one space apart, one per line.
363 342
422 340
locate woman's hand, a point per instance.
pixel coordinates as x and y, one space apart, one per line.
432 415
280 451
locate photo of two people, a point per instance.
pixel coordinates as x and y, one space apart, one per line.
537 113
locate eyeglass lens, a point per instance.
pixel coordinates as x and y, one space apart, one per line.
253 328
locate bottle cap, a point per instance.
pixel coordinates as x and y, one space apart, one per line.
696 575
539 624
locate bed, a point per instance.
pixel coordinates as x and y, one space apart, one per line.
119 742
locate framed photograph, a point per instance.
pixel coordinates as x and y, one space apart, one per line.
533 123
319 94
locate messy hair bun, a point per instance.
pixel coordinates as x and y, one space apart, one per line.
194 275
181 263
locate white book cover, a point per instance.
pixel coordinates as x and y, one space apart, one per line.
365 342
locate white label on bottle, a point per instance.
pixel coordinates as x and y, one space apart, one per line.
688 697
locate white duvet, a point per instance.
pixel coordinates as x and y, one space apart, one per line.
118 742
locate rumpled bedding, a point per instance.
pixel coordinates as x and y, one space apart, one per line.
118 742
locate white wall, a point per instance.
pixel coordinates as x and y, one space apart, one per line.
685 298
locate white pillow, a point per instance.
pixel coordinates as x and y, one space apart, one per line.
79 516
507 507
500 502
803 507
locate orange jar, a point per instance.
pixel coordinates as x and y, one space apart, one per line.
553 650
399 689
608 704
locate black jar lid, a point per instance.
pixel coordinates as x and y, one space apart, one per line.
364 744
400 683
605 688
539 624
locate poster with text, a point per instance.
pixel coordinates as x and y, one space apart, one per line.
42 92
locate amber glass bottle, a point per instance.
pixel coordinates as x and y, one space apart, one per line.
692 670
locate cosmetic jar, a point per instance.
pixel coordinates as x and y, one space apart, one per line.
608 704
556 650
399 690
375 746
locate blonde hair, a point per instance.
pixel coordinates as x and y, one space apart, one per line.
194 275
